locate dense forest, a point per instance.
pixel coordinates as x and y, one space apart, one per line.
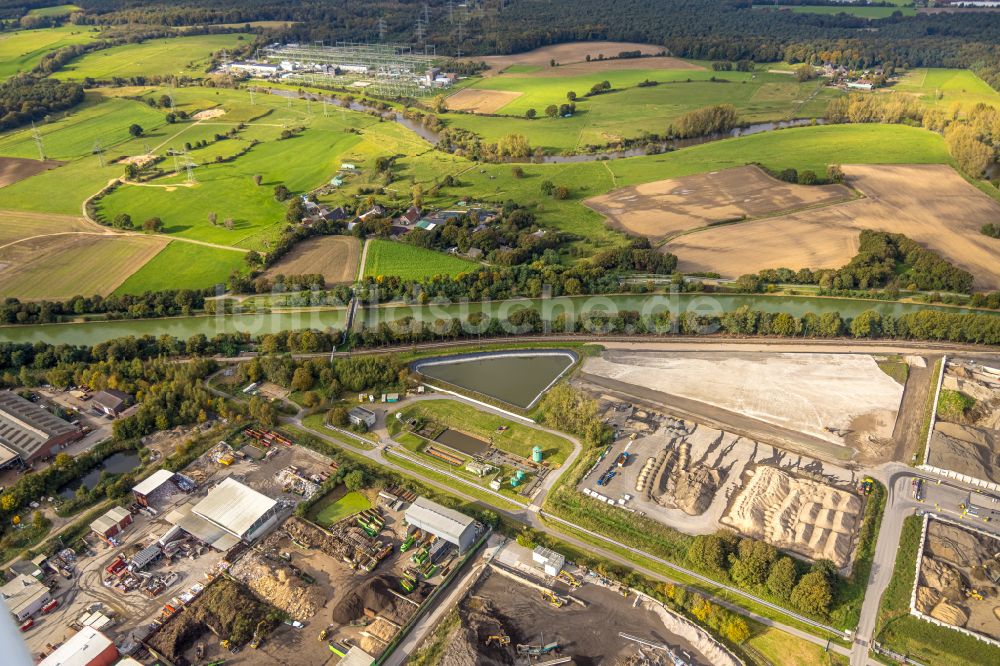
26 98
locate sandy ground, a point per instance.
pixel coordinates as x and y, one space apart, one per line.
688 476
800 515
13 169
60 267
951 577
810 393
931 204
665 207
479 100
971 444
334 257
571 59
209 113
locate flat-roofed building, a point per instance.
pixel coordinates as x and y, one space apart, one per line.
152 484
87 647
230 513
29 431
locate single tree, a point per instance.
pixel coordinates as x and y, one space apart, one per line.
530 114
257 179
213 218
135 129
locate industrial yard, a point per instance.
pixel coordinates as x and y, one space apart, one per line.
966 436
959 577
699 479
518 612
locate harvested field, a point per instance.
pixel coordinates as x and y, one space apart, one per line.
844 399
208 114
13 169
478 100
930 204
957 570
796 514
334 257
666 207
969 443
572 59
60 267
18 225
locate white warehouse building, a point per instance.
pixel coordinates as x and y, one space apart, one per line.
230 513
452 526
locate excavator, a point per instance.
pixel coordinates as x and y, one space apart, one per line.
500 639
554 601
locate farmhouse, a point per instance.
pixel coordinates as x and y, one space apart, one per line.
452 526
230 513
111 402
24 595
111 524
361 416
29 432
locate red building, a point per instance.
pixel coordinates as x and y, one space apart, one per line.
112 523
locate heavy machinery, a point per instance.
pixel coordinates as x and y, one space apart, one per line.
569 579
258 634
323 634
866 486
554 601
535 650
406 545
500 639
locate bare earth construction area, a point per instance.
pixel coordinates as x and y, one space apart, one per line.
930 204
13 169
477 100
666 207
828 396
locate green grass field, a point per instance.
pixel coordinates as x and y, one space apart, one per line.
412 263
346 506
518 439
156 57
631 111
862 12
55 11
946 87
23 49
183 265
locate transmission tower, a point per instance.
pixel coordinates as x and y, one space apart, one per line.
252 102
381 30
420 31
461 27
325 114
189 166
37 136
427 15
99 151
451 11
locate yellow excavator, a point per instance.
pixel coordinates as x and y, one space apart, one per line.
554 601
500 639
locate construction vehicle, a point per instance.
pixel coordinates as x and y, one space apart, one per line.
972 594
420 556
535 650
554 601
408 583
500 639
866 486
569 579
258 634
918 489
323 634
408 543
621 459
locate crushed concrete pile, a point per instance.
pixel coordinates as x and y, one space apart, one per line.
965 449
804 516
472 644
278 584
682 483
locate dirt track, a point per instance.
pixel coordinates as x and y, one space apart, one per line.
333 257
931 204
665 207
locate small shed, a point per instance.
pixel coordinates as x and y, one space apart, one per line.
362 416
111 523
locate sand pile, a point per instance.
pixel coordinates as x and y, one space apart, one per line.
800 515
675 481
965 449
279 585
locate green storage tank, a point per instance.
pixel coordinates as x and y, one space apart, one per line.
536 454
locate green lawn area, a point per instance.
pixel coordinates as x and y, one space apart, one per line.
155 57
21 50
346 506
945 87
183 265
410 262
904 633
863 12
518 439
783 649
630 111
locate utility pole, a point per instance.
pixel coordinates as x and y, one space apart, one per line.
97 150
252 103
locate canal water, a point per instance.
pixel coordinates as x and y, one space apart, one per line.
517 378
117 463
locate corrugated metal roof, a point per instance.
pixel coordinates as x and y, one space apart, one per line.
438 519
22 592
80 649
111 518
153 481
234 506
25 427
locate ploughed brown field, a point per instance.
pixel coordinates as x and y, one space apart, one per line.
13 169
481 101
931 204
666 207
572 59
334 257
